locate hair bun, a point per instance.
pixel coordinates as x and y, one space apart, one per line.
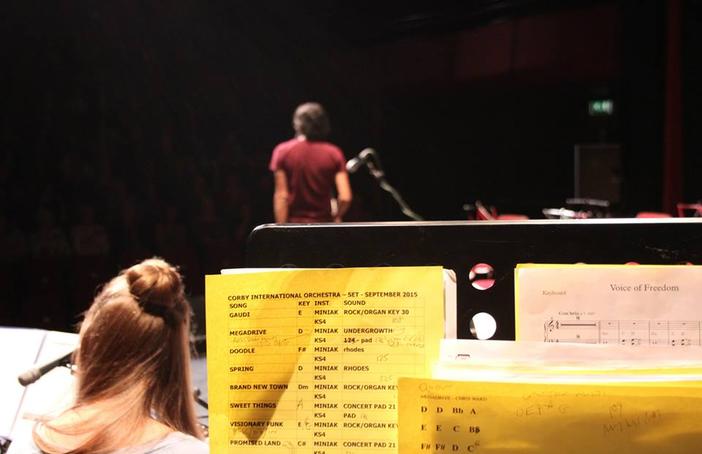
158 287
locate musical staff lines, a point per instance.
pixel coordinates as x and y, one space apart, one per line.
624 332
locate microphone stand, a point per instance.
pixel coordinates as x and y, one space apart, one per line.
377 171
4 444
27 378
198 399
204 427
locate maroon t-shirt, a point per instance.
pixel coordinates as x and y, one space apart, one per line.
310 168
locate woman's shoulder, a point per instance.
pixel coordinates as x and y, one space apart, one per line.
173 443
179 443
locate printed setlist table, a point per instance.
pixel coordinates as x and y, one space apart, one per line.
309 359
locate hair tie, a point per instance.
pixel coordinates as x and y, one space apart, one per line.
157 310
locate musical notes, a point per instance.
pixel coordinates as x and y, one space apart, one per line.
622 305
624 332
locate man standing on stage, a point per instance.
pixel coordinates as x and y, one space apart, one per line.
308 170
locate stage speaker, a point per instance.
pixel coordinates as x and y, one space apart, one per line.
597 172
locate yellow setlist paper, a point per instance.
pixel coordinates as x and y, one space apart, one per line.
308 360
481 417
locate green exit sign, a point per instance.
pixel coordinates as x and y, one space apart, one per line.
599 107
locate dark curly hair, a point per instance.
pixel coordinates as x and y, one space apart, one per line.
311 120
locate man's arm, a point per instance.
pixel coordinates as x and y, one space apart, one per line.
344 195
280 197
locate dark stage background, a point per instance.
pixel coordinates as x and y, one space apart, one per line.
134 128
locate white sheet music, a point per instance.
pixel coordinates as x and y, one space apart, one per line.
51 392
623 332
20 350
629 305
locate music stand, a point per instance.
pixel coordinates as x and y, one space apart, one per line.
459 245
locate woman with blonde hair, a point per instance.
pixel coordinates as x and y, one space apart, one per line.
134 392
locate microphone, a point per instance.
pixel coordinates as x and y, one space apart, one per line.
30 376
354 164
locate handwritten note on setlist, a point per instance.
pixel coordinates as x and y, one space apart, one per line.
480 417
307 361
